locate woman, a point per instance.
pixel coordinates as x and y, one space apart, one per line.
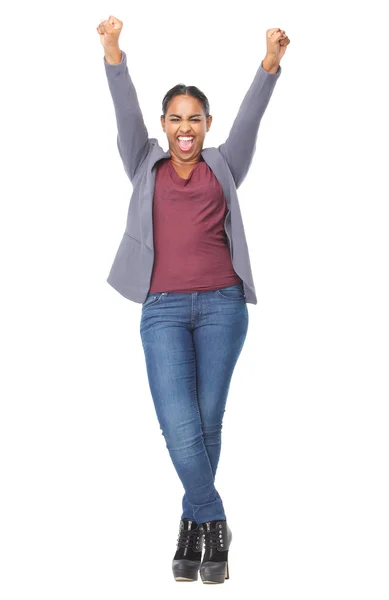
184 257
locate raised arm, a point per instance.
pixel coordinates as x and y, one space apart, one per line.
132 138
239 148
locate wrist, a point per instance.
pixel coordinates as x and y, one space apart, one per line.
270 63
113 55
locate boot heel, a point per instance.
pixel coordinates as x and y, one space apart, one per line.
227 571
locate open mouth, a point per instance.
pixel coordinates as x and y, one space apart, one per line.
185 143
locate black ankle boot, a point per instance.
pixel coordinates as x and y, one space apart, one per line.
187 559
217 540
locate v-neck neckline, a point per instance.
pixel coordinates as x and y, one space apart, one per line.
178 177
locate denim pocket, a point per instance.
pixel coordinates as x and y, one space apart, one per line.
232 292
152 299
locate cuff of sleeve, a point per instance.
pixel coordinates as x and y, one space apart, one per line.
276 74
124 58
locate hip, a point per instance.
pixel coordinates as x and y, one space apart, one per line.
223 305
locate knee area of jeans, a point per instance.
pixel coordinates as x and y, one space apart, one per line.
176 442
212 437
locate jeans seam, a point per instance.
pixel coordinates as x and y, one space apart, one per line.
201 425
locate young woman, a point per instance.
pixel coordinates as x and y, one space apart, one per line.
184 257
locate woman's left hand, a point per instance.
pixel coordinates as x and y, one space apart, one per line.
276 43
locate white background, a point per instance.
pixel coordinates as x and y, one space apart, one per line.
90 501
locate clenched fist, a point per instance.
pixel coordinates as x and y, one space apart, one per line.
109 31
276 42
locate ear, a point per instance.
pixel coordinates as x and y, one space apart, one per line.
209 122
163 122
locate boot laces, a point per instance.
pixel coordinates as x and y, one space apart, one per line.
212 537
189 538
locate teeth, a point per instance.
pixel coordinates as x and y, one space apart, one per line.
186 139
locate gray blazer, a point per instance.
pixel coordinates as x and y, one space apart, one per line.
131 270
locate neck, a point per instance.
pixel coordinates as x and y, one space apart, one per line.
184 164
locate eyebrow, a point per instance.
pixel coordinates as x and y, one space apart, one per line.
196 115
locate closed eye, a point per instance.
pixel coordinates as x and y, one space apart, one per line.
191 119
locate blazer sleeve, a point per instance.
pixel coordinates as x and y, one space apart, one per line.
239 148
132 139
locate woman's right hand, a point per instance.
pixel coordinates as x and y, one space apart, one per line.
109 31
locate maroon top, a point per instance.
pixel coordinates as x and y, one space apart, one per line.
191 251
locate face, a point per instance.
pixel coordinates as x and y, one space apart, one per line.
185 117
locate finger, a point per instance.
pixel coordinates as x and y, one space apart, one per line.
106 26
276 37
271 32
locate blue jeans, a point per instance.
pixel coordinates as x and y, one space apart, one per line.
191 343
